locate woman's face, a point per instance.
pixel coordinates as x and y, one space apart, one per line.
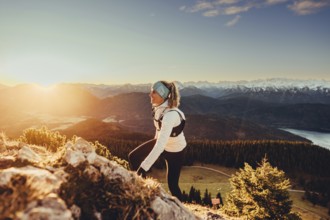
155 98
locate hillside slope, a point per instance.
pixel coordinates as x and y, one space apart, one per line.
77 183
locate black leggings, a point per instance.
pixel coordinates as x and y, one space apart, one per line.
173 164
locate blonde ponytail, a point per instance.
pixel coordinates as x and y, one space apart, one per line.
174 95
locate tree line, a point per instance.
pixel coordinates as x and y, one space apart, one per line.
290 156
194 196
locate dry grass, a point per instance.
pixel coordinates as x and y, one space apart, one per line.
11 148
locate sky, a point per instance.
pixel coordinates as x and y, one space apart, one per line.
142 41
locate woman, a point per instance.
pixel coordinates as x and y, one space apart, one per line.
169 140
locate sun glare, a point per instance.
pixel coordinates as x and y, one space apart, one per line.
40 68
45 88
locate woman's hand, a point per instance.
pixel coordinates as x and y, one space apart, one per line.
141 172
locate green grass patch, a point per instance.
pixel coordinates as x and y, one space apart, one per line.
199 178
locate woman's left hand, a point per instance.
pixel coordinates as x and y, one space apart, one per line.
141 172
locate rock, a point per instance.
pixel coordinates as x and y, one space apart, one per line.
79 152
61 174
98 216
6 162
98 161
21 144
76 211
83 146
50 207
92 157
26 153
112 171
37 177
74 158
168 207
93 173
31 193
212 216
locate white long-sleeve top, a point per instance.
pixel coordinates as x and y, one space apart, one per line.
170 120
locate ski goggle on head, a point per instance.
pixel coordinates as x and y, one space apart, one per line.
161 89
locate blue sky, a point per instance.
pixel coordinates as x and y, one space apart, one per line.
141 41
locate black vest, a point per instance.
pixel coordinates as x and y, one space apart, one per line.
176 130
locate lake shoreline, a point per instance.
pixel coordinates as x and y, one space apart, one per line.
321 139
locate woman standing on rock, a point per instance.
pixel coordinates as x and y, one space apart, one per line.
169 140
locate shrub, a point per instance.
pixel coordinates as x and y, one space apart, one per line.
43 137
104 151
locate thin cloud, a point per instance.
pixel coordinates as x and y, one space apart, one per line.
199 6
236 10
233 21
225 2
211 13
183 8
306 7
275 2
213 8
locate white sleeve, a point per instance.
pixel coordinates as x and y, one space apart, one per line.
168 122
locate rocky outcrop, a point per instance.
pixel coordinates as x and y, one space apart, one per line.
31 193
76 182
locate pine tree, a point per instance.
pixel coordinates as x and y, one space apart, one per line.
207 198
185 197
197 197
192 193
218 196
260 194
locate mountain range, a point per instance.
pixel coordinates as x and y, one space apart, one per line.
282 90
277 102
224 110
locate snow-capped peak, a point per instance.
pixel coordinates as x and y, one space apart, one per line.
275 83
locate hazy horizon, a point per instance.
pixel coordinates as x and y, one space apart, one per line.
146 83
